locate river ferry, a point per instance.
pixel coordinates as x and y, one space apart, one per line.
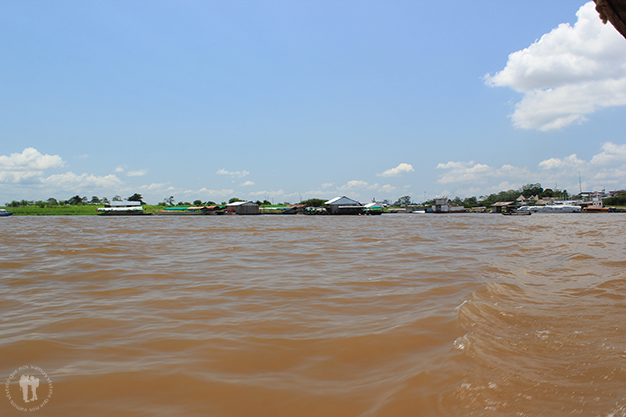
122 208
556 207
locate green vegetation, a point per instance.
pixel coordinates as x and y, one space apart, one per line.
78 205
58 210
528 190
64 210
136 197
403 201
618 200
74 206
314 202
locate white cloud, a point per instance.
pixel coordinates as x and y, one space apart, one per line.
354 184
247 183
453 165
401 169
387 188
607 169
464 171
611 154
27 166
221 193
476 173
278 193
119 169
571 161
567 74
138 173
20 177
70 181
155 187
187 193
612 176
235 174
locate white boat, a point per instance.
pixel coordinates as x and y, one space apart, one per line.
556 207
121 211
122 208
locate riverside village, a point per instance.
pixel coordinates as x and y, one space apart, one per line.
530 199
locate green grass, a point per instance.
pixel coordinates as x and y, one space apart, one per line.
87 210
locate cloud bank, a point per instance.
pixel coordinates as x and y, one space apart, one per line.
605 170
72 182
27 166
568 74
29 170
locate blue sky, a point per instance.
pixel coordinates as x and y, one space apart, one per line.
283 100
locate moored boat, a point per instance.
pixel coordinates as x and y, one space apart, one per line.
125 208
556 207
193 211
517 213
592 209
372 209
4 213
122 211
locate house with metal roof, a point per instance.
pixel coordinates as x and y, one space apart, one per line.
502 206
343 205
242 207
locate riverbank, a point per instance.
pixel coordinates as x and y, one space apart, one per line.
92 210
65 210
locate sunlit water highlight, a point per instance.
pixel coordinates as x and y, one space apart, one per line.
393 315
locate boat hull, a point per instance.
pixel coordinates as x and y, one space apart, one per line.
554 209
123 213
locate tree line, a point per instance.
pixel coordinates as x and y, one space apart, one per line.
528 190
95 200
73 201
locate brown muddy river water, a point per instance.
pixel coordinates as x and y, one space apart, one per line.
393 315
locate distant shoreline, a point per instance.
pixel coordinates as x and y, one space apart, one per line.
66 210
91 210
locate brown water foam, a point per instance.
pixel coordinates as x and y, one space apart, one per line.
286 315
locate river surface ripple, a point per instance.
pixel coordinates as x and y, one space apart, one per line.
392 315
